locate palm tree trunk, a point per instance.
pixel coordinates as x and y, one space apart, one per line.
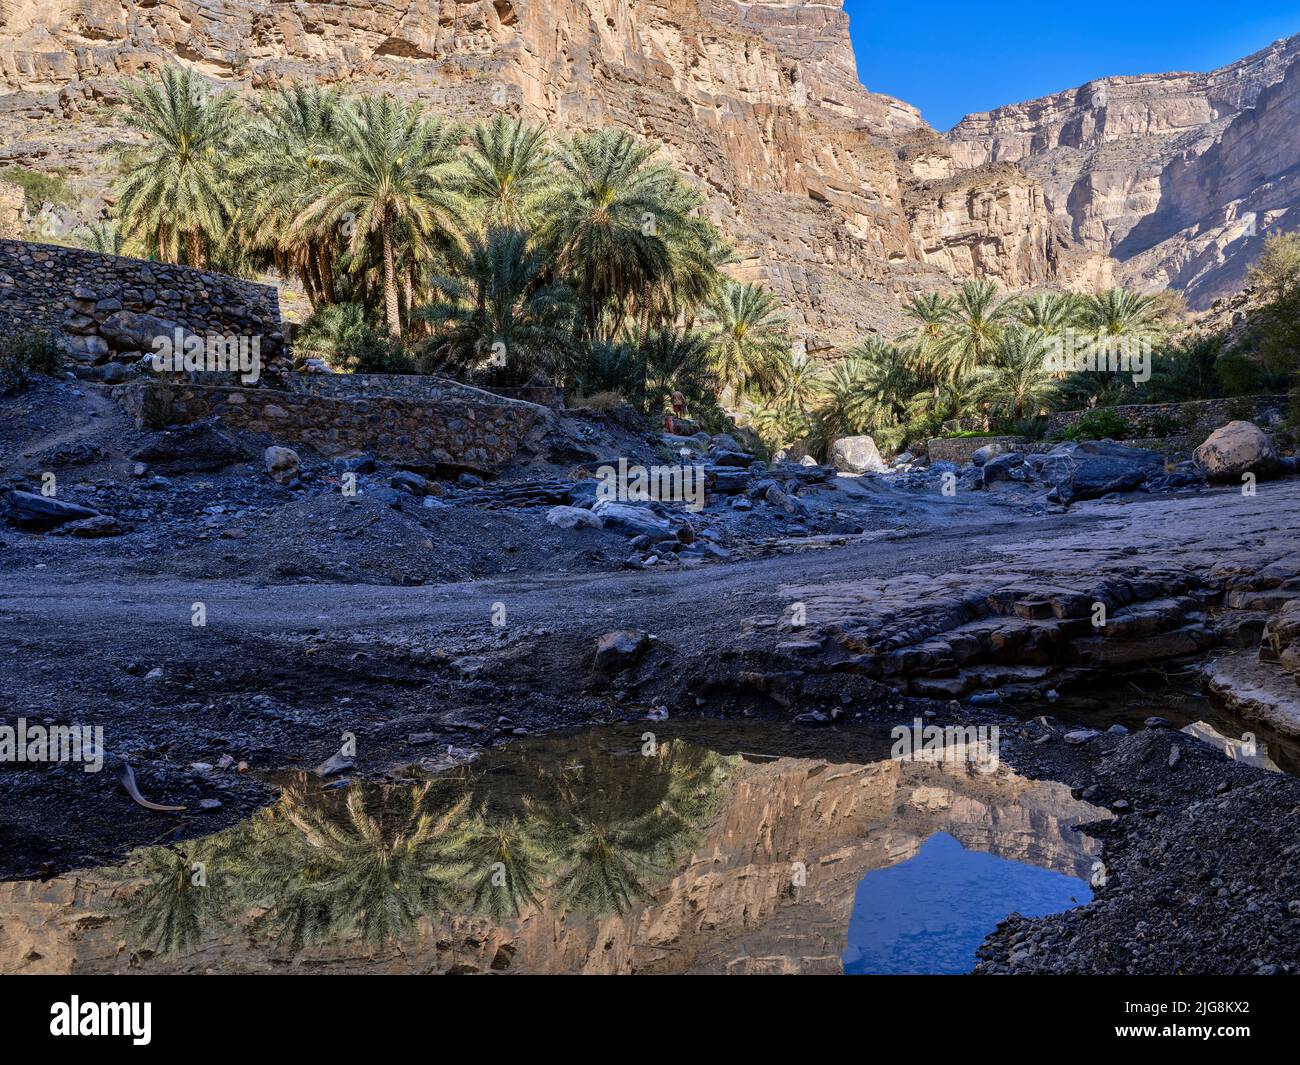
390 284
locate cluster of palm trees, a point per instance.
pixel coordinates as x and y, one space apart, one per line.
492 249
975 353
588 831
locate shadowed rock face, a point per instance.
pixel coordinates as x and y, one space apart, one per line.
825 185
726 904
1178 176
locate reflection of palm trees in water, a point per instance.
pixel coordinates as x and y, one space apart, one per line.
181 898
589 831
362 875
615 824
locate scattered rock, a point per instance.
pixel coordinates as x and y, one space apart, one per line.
616 651
282 463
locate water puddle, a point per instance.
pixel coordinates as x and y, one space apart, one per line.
706 848
1180 698
930 913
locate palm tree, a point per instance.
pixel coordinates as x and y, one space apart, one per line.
674 361
509 167
284 147
930 313
801 384
176 195
750 338
389 171
978 317
174 908
1187 372
497 306
1050 313
609 221
1119 312
1016 379
883 374
508 863
103 237
846 408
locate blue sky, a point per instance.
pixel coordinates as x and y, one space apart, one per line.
951 57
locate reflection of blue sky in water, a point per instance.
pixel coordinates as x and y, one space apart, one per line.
930 913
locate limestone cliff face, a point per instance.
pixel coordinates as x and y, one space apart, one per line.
11 211
760 102
1177 176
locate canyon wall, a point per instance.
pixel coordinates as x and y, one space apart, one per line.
1179 176
837 195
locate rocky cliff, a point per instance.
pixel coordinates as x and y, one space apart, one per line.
842 199
1177 176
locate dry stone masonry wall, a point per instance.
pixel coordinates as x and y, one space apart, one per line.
463 432
107 309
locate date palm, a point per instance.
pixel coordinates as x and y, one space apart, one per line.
389 171
929 315
103 237
1016 380
176 195
801 383
978 317
750 338
498 307
608 222
509 164
885 380
1050 313
1119 312
366 871
284 147
507 863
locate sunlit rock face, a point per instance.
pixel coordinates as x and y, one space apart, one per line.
761 102
1178 176
758 863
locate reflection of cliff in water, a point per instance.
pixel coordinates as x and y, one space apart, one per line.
567 854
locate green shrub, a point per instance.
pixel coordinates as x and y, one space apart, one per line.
23 354
1102 424
349 341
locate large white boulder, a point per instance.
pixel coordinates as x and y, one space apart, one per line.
856 454
1236 449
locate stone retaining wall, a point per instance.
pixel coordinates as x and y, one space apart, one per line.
414 386
1198 418
428 434
959 449
108 308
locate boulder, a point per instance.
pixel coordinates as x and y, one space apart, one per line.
28 510
410 482
282 464
1094 468
778 497
620 649
856 454
93 528
129 331
727 480
200 447
629 519
1236 449
573 518
981 455
1001 467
